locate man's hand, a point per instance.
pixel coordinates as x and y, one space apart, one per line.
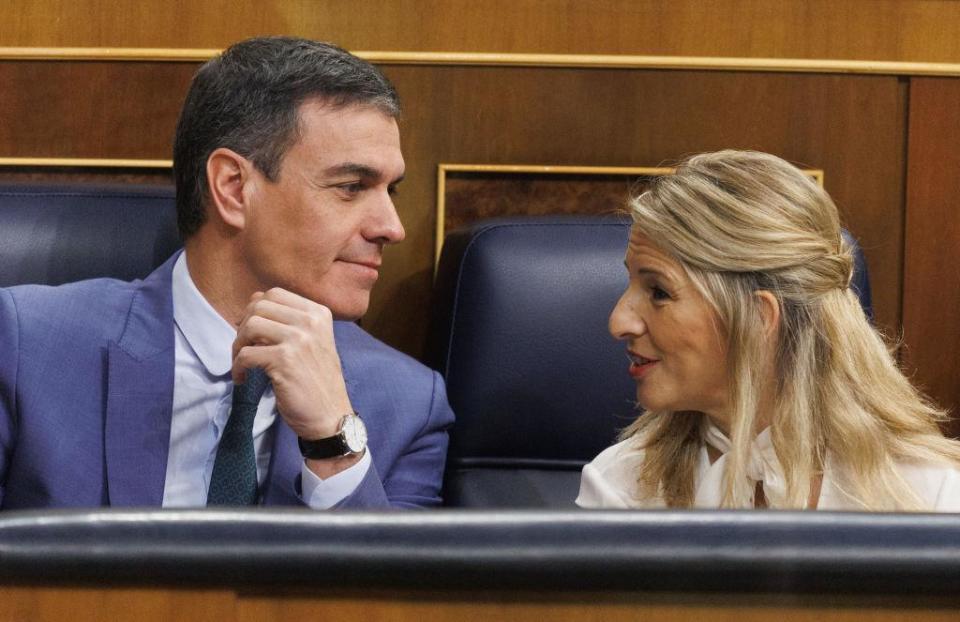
291 339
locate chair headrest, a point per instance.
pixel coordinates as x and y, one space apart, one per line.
520 334
53 234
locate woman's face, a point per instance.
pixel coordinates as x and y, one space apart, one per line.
673 337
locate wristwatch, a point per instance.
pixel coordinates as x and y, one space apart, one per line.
349 440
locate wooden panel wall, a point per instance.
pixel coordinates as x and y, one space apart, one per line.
894 30
931 288
91 109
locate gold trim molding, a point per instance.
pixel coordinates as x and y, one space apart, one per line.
611 61
478 59
108 54
634 171
86 163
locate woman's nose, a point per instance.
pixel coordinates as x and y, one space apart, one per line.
625 322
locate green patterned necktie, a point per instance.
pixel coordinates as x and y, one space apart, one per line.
234 478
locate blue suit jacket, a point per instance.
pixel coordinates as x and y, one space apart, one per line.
86 394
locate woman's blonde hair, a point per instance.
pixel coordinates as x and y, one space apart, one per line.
740 222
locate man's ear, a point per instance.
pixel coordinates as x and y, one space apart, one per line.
227 175
769 311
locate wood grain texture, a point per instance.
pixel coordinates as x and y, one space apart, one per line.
894 30
106 603
590 607
931 288
90 109
57 604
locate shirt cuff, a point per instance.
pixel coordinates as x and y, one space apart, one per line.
323 494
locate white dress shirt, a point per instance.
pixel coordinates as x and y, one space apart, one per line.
610 480
202 396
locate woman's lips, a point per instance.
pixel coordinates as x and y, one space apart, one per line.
640 365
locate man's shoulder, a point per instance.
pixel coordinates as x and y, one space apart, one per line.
95 292
82 304
358 348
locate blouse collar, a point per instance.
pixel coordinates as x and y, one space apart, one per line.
762 466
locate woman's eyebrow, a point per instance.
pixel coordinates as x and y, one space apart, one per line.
647 271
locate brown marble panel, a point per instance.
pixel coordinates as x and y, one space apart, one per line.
471 197
84 175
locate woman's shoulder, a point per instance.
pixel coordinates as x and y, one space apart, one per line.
937 485
611 479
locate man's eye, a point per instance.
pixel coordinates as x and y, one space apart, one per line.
392 190
352 188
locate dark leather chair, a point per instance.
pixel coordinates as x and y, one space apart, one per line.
53 234
519 332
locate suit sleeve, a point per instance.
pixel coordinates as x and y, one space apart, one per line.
9 357
416 478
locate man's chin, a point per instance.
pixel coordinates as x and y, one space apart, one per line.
347 317
347 310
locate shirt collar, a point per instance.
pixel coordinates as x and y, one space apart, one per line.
210 336
762 465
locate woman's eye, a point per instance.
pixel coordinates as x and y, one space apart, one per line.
658 293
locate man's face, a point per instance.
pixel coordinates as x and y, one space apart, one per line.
320 228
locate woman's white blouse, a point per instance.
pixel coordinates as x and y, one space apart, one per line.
610 481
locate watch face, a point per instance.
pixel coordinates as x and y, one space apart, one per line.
355 434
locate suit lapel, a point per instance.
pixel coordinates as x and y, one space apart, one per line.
140 396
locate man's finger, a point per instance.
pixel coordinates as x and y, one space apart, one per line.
272 310
286 297
258 330
249 357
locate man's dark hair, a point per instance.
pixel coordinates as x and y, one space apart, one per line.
248 100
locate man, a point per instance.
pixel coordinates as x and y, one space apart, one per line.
286 156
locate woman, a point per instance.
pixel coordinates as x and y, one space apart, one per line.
763 383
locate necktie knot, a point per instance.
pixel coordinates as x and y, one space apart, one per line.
250 392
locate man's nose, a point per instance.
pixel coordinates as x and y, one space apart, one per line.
386 227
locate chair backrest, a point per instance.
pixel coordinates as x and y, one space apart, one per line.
53 233
519 332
